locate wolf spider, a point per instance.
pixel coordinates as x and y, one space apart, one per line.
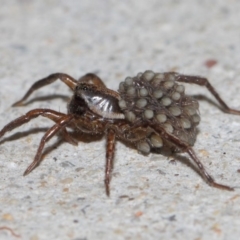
150 111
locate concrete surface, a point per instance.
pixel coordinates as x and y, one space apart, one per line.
151 198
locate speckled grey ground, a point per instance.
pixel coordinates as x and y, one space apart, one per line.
151 198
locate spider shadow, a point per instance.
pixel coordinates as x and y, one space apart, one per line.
79 136
47 98
186 160
86 138
18 135
169 152
201 97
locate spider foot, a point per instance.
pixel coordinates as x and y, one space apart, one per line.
30 168
107 187
221 186
18 104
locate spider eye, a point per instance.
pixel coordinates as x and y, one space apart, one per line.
82 87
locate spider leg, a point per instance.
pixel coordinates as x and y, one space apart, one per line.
68 80
109 158
61 123
204 173
201 81
186 148
48 113
68 138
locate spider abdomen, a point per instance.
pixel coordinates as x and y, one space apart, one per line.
157 98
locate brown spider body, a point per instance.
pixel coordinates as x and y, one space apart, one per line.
149 111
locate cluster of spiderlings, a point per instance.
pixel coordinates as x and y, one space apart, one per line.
158 98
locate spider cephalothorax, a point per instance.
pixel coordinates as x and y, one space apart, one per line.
149 111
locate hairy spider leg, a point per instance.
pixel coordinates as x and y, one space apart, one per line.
61 123
201 81
68 80
48 113
205 174
186 148
111 141
68 138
